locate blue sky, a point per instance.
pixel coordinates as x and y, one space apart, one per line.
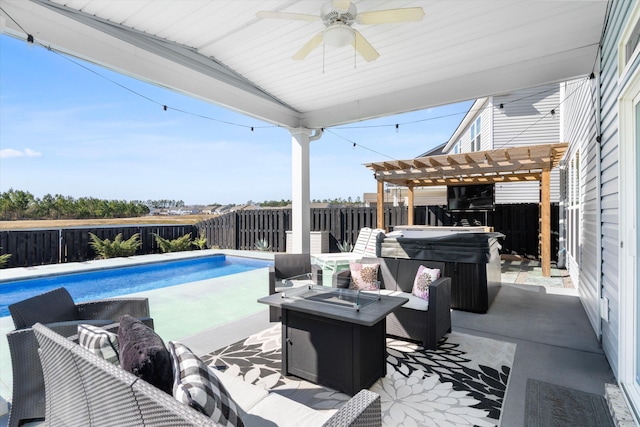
69 127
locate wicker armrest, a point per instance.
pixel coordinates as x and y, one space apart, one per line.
113 308
316 274
362 410
272 280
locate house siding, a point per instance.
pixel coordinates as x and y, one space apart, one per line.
580 131
526 120
611 87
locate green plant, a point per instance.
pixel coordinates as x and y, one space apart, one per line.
180 244
4 259
116 248
200 241
345 247
262 245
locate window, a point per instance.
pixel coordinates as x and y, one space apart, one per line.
629 42
573 208
456 148
475 135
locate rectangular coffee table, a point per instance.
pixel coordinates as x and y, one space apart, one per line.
334 337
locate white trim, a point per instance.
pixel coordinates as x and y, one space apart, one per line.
627 279
623 65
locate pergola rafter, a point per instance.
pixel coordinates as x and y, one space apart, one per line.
503 165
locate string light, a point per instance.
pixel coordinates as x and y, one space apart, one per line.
31 42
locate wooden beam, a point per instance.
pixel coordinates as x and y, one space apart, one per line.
545 222
380 204
410 207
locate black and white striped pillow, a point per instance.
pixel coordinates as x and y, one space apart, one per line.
100 342
196 385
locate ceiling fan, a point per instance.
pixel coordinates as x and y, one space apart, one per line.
338 17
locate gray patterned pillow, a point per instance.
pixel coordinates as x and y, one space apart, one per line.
100 342
196 385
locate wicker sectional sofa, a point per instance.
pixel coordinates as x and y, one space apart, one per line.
419 320
83 389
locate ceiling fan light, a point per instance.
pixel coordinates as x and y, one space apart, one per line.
338 35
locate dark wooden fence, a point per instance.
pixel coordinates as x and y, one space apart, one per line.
40 246
242 229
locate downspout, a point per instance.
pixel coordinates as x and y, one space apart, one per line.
317 134
598 106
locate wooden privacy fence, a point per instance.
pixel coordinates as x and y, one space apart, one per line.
242 229
37 247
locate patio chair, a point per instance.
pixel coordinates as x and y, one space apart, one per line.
60 313
366 245
297 269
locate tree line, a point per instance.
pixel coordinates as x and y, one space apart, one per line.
20 205
331 202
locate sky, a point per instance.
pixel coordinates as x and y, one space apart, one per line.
73 128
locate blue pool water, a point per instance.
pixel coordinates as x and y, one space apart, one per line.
113 282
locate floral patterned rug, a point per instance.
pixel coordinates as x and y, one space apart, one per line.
463 383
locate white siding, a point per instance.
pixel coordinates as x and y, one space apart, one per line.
485 124
526 120
609 182
580 131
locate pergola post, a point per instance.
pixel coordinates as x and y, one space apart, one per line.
545 221
380 206
410 207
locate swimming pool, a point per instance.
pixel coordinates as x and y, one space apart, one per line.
114 282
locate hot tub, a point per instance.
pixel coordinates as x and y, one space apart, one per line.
472 261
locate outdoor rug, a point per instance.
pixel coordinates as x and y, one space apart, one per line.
463 383
550 405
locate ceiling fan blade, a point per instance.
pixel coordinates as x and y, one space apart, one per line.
391 16
341 5
364 48
287 15
307 48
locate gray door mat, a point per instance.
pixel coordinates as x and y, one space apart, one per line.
553 405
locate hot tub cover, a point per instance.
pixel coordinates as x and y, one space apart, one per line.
455 247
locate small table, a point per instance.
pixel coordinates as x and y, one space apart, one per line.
334 337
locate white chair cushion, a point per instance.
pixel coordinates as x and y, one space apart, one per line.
414 302
245 395
282 412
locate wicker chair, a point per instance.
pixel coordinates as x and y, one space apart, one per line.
58 311
286 266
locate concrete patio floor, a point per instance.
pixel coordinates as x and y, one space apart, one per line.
543 316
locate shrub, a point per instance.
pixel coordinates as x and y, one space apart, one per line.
345 247
4 259
118 248
262 245
180 244
200 241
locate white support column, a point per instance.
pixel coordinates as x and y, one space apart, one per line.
300 190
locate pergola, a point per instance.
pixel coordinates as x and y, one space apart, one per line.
503 165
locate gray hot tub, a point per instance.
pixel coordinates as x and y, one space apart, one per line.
472 261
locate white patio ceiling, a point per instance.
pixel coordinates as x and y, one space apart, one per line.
221 52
